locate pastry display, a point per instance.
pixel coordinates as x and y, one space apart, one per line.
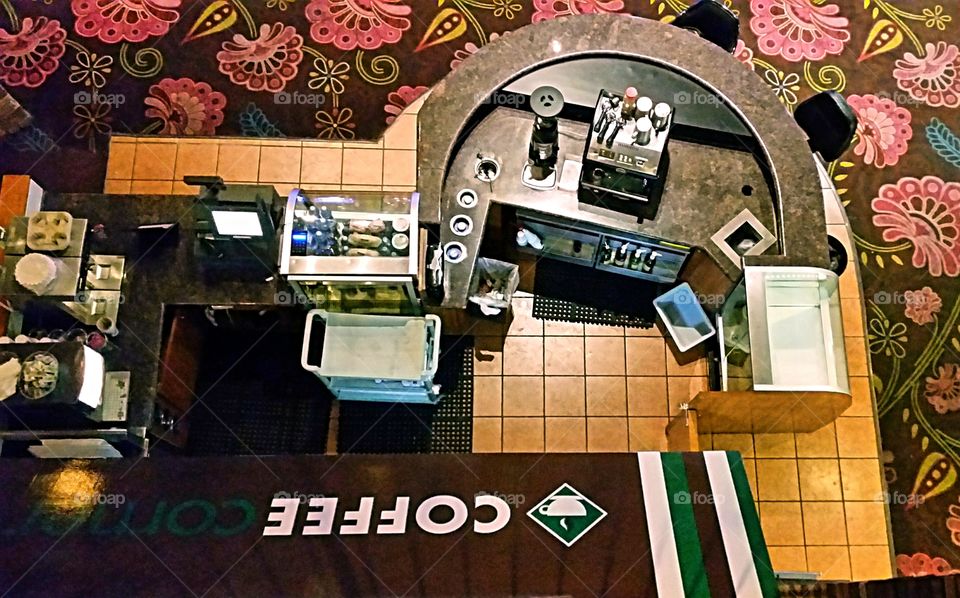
39 375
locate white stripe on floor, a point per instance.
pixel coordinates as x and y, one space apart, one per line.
735 541
663 545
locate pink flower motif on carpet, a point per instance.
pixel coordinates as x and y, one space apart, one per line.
933 79
927 214
798 29
744 54
28 56
883 129
400 99
544 10
920 564
922 305
943 392
266 63
351 24
468 50
115 21
185 107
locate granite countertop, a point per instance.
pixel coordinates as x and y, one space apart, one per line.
157 276
794 182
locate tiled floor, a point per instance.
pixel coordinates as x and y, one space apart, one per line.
552 386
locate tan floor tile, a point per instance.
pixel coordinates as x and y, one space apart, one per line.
831 562
819 479
857 437
523 323
742 443
607 435
647 396
523 434
399 167
602 330
852 318
487 356
775 445
523 355
486 434
566 435
279 163
849 286
415 106
696 367
823 523
856 356
402 134
196 159
653 331
822 443
563 355
487 397
860 479
646 356
181 188
565 395
113 186
362 166
750 467
120 160
870 562
151 187
862 403
238 163
866 523
523 395
777 479
606 395
682 389
283 189
154 161
648 433
321 165
788 558
605 356
782 523
553 328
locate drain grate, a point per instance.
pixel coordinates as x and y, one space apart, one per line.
545 308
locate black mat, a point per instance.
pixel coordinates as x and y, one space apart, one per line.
403 428
571 293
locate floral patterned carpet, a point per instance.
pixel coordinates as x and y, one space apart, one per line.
343 69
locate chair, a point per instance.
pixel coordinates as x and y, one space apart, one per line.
829 122
712 21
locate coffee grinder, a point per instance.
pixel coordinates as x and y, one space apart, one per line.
540 171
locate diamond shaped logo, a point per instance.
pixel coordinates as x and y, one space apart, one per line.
567 514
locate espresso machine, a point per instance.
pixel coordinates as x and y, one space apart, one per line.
625 159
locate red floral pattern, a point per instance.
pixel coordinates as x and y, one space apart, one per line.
351 24
883 129
922 305
744 54
468 50
114 21
28 56
934 78
400 99
266 63
798 29
927 214
920 564
551 9
185 107
943 392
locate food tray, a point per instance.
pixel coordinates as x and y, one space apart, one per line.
49 231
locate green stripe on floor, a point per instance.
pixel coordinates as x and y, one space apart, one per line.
758 548
692 569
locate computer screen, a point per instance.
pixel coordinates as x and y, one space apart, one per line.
237 223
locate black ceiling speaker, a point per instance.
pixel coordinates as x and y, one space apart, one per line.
712 21
829 123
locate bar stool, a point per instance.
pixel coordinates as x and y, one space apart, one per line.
712 21
829 123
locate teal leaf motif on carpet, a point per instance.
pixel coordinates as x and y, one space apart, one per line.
944 141
33 140
254 123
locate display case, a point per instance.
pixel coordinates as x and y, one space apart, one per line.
355 252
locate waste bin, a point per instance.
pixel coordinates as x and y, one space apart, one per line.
493 285
685 319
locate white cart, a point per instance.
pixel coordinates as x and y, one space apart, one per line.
376 358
